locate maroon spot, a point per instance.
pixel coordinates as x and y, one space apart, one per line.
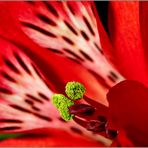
5 91
99 49
71 8
42 117
85 36
33 113
46 19
62 120
11 121
73 54
86 55
20 108
88 25
8 77
35 108
76 130
111 78
74 60
113 75
39 29
37 71
43 96
21 62
51 8
29 102
55 50
34 98
11 66
70 27
10 128
68 40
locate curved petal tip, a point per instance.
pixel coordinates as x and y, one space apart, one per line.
128 110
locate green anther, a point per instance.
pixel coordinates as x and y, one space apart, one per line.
64 112
62 103
74 90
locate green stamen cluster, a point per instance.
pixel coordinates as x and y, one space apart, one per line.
74 91
62 103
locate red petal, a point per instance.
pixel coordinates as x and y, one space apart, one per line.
143 24
125 35
84 46
25 98
57 138
45 59
104 39
83 51
128 107
122 141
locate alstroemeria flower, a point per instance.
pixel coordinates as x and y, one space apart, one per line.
46 44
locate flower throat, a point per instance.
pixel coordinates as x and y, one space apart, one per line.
71 107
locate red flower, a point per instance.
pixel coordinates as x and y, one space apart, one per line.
46 44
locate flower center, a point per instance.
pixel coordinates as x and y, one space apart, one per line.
84 114
87 116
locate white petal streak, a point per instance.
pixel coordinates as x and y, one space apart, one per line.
74 32
25 99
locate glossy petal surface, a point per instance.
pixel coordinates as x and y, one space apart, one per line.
143 11
125 35
128 110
